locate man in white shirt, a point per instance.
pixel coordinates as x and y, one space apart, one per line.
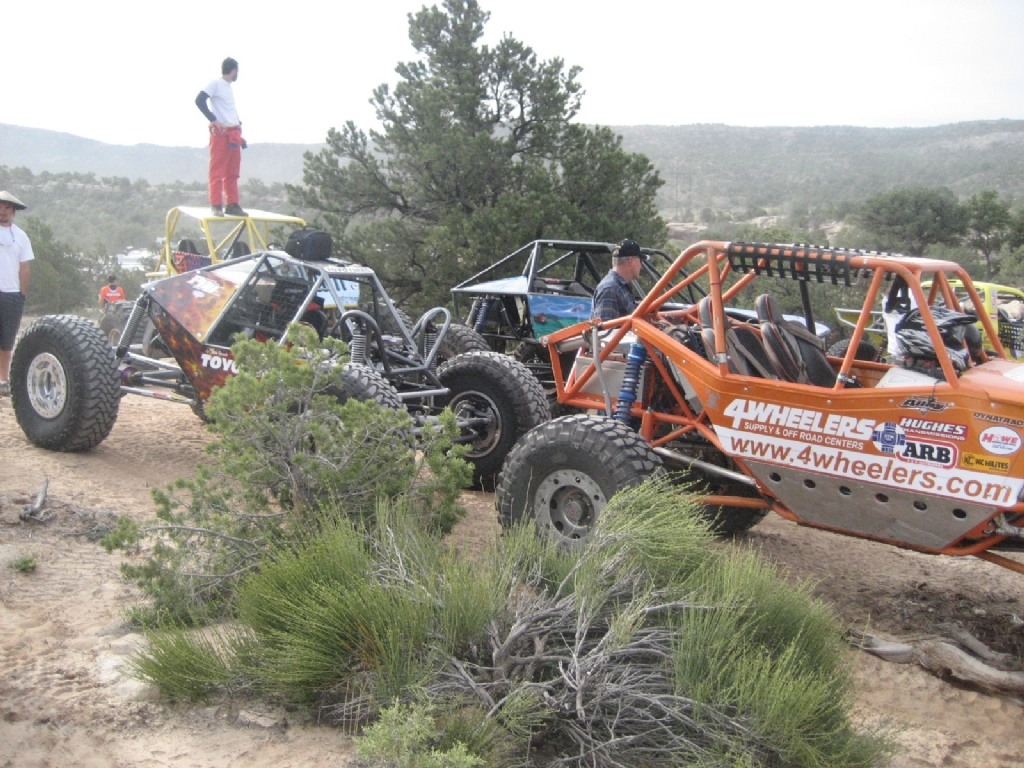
15 255
226 142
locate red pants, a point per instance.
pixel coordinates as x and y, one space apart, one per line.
225 165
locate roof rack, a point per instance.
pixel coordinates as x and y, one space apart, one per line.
799 262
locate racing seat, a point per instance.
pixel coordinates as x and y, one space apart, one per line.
795 353
746 354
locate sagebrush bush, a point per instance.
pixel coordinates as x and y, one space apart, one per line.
288 458
645 647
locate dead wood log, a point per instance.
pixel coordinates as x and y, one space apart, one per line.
942 657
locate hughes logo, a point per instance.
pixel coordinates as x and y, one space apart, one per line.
933 428
816 422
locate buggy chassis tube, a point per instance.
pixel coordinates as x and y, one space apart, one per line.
678 458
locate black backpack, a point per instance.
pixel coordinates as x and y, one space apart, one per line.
309 244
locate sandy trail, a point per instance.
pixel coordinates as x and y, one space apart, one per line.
65 699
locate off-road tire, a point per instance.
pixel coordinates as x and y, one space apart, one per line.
459 339
111 326
152 343
114 319
490 384
387 322
360 382
728 521
64 383
865 350
563 473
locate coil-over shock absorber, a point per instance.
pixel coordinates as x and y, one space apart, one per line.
135 319
357 344
429 340
481 315
630 381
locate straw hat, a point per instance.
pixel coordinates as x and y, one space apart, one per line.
7 197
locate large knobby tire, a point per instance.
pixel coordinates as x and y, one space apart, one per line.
460 339
110 325
563 473
114 319
360 382
152 342
865 350
725 521
493 386
388 324
65 384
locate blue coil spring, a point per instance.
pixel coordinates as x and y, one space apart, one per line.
481 315
630 381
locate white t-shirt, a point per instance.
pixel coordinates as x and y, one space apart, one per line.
222 101
14 249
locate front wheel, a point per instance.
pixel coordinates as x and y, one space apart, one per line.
563 473
496 400
64 383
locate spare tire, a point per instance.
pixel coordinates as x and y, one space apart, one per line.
64 383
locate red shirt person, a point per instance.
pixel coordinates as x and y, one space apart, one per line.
111 293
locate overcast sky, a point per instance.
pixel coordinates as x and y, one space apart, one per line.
127 72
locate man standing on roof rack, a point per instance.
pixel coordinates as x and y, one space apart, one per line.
226 142
613 297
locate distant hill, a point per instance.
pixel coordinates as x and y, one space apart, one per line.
40 150
725 166
703 165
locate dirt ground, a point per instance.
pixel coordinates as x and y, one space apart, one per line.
66 700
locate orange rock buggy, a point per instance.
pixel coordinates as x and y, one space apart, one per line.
922 450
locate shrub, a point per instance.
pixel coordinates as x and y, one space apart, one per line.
288 459
646 647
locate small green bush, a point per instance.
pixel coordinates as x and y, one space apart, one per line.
25 564
406 737
288 460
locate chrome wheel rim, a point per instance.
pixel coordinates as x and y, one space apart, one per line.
47 385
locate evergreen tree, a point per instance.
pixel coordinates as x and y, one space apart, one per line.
478 154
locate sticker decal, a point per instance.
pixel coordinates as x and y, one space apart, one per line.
885 470
217 360
999 419
801 423
1016 373
891 439
1000 441
925 404
888 437
914 426
984 463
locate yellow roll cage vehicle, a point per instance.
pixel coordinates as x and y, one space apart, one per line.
224 237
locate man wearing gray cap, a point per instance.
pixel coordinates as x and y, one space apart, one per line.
613 297
15 255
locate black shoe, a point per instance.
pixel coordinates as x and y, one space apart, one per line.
234 209
216 210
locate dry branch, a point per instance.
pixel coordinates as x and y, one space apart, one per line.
943 657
